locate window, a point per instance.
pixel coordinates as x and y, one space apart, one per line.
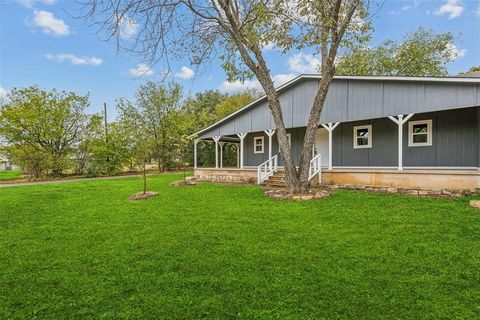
289 137
420 133
362 137
258 145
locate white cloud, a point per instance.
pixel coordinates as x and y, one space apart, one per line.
282 78
140 70
3 94
477 11
304 63
30 3
185 73
453 8
269 46
238 86
455 52
50 25
127 27
410 6
74 59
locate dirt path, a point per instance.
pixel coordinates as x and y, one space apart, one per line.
33 183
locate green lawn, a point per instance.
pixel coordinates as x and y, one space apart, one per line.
10 175
82 250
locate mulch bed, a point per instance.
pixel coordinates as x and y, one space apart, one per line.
143 196
188 182
474 204
313 194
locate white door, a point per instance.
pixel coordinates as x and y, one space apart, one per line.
321 145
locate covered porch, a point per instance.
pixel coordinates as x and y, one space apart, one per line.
255 169
322 150
407 152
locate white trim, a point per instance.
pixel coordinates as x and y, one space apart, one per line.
237 146
400 122
369 137
195 143
255 144
270 134
444 168
330 127
407 168
411 133
289 138
216 139
383 168
241 136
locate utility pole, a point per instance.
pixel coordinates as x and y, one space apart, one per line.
106 121
106 126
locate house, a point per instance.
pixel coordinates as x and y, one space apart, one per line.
5 164
405 132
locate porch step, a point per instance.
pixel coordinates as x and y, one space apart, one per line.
277 180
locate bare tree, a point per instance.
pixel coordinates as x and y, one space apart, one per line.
236 31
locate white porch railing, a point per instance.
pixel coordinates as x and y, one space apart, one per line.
267 169
315 168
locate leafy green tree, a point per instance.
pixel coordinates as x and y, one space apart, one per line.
84 152
232 103
41 128
471 70
196 113
154 110
203 108
422 53
97 154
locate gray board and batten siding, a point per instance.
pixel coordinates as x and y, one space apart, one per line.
455 143
353 99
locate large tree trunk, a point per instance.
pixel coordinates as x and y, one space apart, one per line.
144 176
296 181
261 71
312 126
292 182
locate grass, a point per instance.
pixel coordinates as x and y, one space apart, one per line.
82 250
10 175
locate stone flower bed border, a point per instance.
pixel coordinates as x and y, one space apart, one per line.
443 193
324 191
314 193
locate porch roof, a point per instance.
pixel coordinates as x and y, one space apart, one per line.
352 98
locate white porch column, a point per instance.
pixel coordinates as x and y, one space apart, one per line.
221 153
216 139
238 154
400 122
270 134
242 137
195 153
330 127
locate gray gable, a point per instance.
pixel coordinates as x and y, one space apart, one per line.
352 99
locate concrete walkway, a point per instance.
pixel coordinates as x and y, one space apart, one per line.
33 183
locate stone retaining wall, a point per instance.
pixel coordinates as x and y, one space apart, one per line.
406 179
230 175
413 192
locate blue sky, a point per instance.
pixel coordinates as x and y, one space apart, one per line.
42 44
